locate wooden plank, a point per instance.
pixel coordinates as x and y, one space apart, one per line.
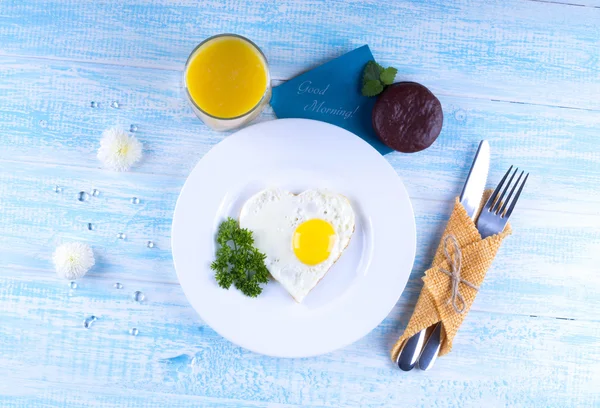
575 3
498 359
548 267
509 50
20 393
45 116
34 218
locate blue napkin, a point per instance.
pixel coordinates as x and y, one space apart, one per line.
331 93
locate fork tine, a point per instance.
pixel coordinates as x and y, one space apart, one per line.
492 199
501 212
512 205
498 203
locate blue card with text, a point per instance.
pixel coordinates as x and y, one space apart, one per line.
331 93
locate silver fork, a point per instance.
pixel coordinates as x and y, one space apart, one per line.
497 210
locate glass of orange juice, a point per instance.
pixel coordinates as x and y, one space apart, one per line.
227 81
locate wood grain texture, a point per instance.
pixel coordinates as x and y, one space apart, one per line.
580 3
544 140
513 50
527 278
175 354
532 338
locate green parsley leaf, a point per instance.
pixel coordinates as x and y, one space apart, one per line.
388 75
372 87
238 262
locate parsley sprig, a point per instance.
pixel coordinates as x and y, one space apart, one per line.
376 78
238 261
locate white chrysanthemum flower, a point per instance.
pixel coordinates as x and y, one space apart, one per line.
119 150
73 260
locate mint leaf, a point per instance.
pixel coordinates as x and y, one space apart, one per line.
376 78
372 72
372 87
388 75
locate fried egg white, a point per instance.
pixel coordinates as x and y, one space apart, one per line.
302 235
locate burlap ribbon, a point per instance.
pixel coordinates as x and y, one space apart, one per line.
476 256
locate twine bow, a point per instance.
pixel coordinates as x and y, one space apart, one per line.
455 261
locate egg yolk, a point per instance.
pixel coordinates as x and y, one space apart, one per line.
313 241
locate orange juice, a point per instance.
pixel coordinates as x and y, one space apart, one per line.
227 78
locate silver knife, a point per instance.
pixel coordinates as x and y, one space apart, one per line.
415 349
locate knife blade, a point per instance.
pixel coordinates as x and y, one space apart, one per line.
472 191
470 197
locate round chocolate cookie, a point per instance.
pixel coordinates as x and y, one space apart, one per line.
407 117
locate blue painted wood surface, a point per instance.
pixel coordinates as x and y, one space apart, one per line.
523 74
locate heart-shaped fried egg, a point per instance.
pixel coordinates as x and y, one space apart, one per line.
302 235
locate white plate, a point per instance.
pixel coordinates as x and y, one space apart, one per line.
359 290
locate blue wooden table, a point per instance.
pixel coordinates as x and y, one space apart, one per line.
523 74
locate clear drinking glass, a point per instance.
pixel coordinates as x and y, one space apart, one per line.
228 123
